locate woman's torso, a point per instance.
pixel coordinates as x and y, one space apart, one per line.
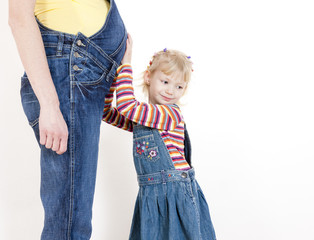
85 16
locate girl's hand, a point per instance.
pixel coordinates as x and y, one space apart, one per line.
128 51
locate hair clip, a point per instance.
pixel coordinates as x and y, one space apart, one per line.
165 50
189 57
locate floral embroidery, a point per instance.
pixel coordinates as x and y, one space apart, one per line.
141 146
152 154
145 149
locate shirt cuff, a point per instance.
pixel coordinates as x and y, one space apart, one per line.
123 66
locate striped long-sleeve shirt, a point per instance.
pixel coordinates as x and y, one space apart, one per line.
166 118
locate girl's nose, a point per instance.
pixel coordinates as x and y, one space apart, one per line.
169 90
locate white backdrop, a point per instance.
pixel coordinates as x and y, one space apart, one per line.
249 112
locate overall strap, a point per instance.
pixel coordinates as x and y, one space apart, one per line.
187 146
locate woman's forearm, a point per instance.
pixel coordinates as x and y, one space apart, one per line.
53 130
32 53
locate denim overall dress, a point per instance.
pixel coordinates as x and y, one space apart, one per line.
82 69
170 204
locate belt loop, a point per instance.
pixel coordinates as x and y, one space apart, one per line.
163 176
60 45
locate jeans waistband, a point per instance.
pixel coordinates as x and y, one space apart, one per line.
166 176
98 47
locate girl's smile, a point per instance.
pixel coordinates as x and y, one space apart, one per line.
167 99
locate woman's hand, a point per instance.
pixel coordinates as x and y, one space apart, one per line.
53 130
128 51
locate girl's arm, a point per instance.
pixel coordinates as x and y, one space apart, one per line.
52 127
165 117
112 116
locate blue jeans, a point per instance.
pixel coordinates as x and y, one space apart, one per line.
82 69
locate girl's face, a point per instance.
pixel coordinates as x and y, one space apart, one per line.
164 89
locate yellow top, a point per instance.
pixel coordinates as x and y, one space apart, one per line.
72 16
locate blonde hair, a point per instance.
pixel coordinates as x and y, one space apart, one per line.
169 62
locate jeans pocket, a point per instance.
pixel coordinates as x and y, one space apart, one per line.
92 71
145 148
152 154
30 102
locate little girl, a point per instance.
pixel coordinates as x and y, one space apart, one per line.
170 203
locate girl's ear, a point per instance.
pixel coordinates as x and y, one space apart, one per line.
147 77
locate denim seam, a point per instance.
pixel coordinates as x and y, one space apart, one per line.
100 51
72 172
112 71
198 222
56 34
50 44
159 181
56 45
140 168
60 45
186 191
89 83
71 152
163 176
50 33
58 57
33 123
150 136
120 46
197 211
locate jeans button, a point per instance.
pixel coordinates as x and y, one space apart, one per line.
79 43
76 68
184 175
77 55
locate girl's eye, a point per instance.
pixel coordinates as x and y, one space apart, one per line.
164 82
179 87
